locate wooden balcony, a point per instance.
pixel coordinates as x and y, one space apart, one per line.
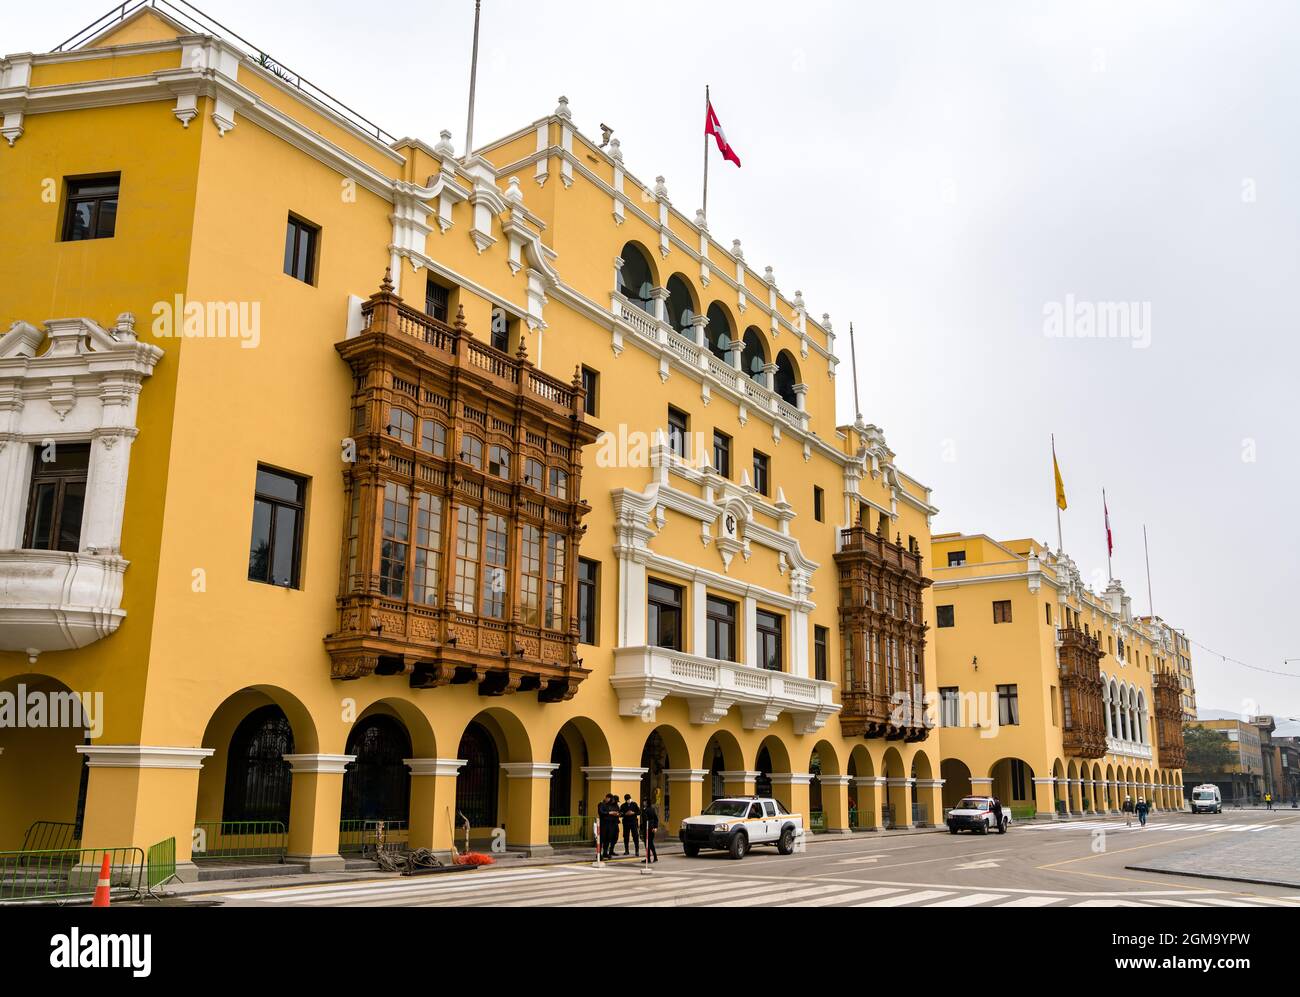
881 599
459 558
1167 693
1084 720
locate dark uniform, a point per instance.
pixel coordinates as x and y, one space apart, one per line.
631 814
650 825
608 813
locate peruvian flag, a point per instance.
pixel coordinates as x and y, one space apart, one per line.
712 126
1110 543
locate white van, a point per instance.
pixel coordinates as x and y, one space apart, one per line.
1206 799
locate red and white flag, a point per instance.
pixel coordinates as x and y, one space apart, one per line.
712 126
1110 543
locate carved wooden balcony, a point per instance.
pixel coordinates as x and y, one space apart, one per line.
1083 707
881 592
1167 693
463 481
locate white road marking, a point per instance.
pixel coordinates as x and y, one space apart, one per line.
841 898
1030 902
970 900
906 898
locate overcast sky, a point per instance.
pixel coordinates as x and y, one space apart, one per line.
949 177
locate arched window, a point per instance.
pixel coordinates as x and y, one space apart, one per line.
258 779
680 305
401 424
636 278
377 786
476 784
718 332
754 356
786 377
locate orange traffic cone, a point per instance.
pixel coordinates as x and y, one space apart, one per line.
102 889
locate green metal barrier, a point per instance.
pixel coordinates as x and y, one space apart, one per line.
367 836
817 821
1024 812
45 835
575 830
161 867
68 873
231 840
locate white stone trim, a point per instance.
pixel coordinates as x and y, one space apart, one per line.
614 773
528 770
686 775
142 756
835 780
739 775
435 766
791 778
319 764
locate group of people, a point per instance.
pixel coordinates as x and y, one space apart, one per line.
1140 809
637 822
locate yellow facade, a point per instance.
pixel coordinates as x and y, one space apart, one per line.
215 152
1000 608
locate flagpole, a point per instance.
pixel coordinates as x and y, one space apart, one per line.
1151 607
473 76
705 208
853 352
1109 573
1060 544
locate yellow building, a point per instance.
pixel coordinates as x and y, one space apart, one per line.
349 479
1051 696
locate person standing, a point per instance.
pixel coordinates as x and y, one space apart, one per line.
649 825
1141 809
997 813
1268 800
608 811
1128 810
631 814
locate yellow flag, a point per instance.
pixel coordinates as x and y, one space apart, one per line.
1060 485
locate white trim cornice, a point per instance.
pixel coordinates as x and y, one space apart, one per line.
142 756
319 764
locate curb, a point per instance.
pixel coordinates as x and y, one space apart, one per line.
1208 875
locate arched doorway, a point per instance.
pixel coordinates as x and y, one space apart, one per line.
1013 784
864 796
377 786
636 278
478 781
719 332
763 766
680 307
753 357
956 780
259 782
786 377
721 754
43 779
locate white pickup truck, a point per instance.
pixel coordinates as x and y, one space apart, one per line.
735 824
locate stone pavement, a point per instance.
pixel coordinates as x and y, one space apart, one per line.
1271 859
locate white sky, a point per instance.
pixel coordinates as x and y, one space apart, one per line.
938 173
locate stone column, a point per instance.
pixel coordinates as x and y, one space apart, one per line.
900 801
871 799
930 792
1075 795
1045 797
792 789
686 797
139 795
316 803
528 795
433 802
835 803
739 782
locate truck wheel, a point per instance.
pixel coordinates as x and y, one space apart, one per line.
739 845
690 849
952 829
785 844
984 827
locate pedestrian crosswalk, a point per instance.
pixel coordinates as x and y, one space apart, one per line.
581 886
1153 825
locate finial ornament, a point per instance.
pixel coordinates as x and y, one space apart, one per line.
386 285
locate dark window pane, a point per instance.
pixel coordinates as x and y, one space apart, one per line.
286 529
259 554
43 516
280 486
74 500
106 223
79 220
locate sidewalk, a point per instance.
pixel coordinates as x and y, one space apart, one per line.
563 856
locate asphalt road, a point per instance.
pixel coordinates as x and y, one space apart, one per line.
1036 864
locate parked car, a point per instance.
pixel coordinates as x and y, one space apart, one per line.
1206 799
976 813
735 824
